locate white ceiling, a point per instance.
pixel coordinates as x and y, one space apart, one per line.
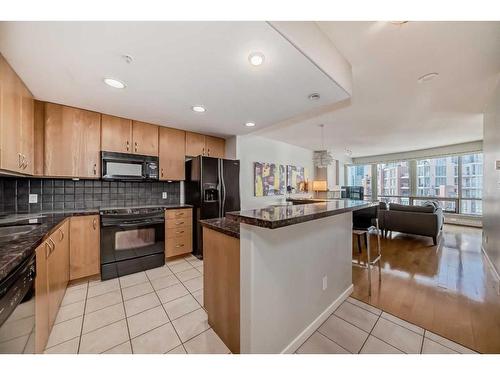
176 65
389 110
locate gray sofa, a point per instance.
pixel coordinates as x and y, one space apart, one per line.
424 220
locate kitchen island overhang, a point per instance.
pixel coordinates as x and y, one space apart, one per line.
293 276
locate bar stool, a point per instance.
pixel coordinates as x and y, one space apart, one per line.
358 233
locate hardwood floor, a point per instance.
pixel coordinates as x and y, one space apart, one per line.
448 289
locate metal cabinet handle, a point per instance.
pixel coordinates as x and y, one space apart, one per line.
47 249
62 234
208 152
179 232
162 172
135 143
94 223
25 162
95 169
179 213
128 145
180 245
179 222
19 161
203 151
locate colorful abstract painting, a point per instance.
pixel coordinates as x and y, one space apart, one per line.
269 179
296 178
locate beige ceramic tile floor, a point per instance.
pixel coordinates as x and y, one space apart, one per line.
356 327
157 311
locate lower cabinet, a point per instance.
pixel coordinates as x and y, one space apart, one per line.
178 232
84 246
52 276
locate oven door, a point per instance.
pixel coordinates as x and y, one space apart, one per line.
131 246
17 310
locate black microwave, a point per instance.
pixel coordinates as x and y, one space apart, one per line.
129 167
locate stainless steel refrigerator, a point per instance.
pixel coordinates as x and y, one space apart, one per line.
212 186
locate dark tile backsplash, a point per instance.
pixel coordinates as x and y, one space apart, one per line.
58 194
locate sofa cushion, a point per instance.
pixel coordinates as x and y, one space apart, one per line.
401 207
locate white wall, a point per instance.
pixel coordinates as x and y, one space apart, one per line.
491 192
282 300
251 148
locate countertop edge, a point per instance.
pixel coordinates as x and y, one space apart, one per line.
296 220
220 225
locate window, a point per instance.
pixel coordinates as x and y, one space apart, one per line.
394 179
360 175
472 184
440 177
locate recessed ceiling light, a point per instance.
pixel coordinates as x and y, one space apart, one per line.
198 108
427 77
314 96
256 58
250 124
114 83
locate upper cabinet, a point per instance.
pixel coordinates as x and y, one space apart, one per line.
116 134
199 144
16 122
215 147
145 137
172 153
132 137
72 142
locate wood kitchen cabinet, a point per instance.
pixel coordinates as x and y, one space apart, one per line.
172 151
72 142
214 146
145 138
16 122
127 136
116 134
178 232
84 246
199 144
52 276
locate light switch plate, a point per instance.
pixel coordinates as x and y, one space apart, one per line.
164 195
33 198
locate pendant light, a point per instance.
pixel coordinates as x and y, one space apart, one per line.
322 158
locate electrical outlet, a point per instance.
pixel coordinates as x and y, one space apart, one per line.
164 195
325 282
33 198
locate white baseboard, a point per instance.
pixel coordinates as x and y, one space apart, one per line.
492 267
309 330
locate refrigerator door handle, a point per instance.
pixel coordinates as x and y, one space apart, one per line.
223 188
219 186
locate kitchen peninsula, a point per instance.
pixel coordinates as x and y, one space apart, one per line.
274 278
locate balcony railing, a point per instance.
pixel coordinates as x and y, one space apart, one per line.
451 205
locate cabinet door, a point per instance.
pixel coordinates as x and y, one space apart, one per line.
42 328
72 142
53 282
27 129
172 154
215 147
84 246
116 134
195 144
10 119
145 138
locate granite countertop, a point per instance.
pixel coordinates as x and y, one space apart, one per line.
281 216
223 225
13 251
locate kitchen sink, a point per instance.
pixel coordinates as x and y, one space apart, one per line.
16 230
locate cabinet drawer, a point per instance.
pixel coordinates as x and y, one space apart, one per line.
177 223
179 232
178 214
178 245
